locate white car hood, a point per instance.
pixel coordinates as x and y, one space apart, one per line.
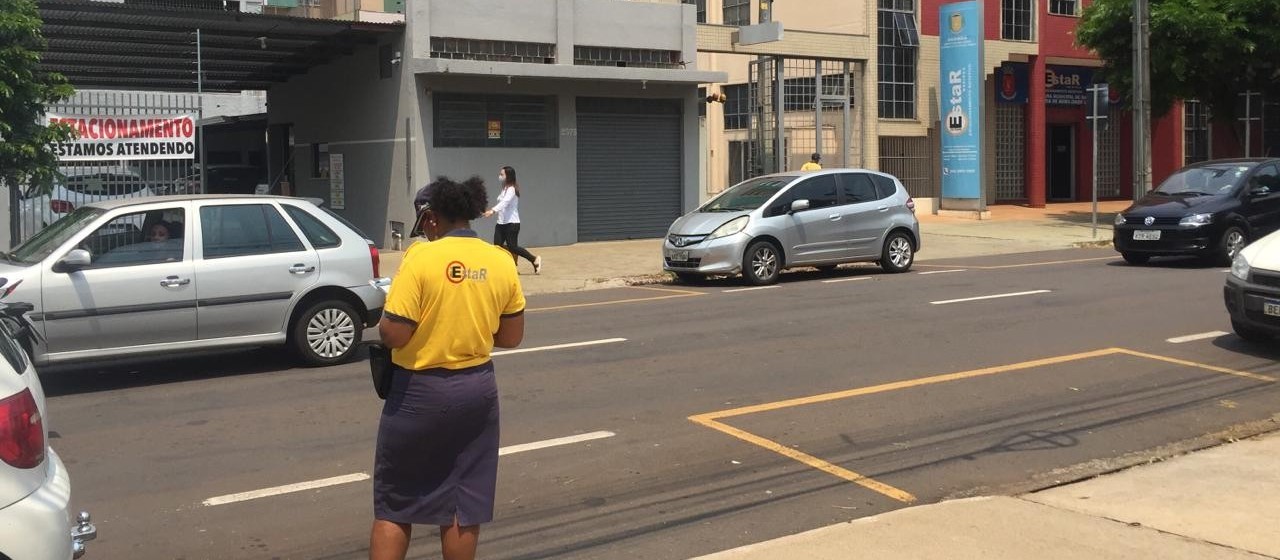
1264 253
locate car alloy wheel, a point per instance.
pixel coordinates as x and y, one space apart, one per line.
1235 241
763 263
898 253
331 333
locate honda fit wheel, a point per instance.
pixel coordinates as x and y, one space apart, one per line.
898 254
762 263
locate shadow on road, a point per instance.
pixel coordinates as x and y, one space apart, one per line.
1172 263
802 274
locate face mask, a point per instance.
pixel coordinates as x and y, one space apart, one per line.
502 178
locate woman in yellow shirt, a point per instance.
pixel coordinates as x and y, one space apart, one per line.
452 301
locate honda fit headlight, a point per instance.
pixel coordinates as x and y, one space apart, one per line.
1240 267
731 227
1196 220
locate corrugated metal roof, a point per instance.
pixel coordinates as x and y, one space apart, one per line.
145 46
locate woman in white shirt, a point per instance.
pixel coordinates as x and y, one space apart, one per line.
507 232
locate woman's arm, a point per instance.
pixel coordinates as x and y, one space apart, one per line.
504 200
510 331
395 331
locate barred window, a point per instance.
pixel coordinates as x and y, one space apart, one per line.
477 120
1015 19
1063 7
701 7
798 94
737 111
1195 130
737 12
627 58
898 42
494 51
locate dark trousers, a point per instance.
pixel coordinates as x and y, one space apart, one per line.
507 236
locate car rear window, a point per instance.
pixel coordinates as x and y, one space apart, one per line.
344 221
320 235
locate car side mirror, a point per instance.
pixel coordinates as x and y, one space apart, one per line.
799 206
75 260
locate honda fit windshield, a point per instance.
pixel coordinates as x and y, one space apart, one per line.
44 243
1204 180
747 196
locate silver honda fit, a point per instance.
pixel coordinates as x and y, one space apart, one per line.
764 225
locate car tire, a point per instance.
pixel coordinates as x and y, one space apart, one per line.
898 253
1136 258
762 263
1248 333
1232 240
326 333
689 278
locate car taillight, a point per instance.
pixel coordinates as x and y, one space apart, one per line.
373 256
61 206
911 204
21 431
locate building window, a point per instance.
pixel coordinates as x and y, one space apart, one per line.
476 120
898 43
1015 19
494 51
1195 130
737 12
701 8
737 111
1063 7
798 94
625 58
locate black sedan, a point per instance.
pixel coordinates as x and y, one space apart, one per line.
1210 210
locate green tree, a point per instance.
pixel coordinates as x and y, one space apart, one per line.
27 159
1210 50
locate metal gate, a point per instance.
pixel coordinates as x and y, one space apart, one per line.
104 178
629 168
800 107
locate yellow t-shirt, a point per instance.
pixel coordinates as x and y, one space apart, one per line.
454 290
811 166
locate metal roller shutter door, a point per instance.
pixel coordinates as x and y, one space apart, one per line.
629 168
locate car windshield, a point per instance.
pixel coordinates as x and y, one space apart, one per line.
747 196
44 243
1203 180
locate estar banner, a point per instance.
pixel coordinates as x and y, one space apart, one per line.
962 87
134 137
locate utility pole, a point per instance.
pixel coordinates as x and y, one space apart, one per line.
203 166
1099 101
1141 99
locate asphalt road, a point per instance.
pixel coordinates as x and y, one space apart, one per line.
857 413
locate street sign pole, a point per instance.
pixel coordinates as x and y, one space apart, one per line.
1098 98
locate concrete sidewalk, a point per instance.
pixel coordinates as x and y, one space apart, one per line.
1221 503
1011 229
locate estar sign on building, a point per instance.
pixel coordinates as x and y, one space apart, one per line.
962 77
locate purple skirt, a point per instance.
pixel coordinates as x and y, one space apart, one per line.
437 454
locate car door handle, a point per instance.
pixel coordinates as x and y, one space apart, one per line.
174 282
301 269
883 209
835 217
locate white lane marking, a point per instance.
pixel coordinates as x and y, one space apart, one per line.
838 280
996 296
559 346
554 442
359 477
941 271
1195 337
286 489
749 289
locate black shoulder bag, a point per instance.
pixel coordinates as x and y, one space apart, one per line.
381 367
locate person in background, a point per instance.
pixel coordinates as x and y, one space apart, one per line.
507 233
454 299
813 164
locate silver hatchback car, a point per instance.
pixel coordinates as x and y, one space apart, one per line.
171 274
821 219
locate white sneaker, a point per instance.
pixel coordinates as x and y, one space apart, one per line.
537 265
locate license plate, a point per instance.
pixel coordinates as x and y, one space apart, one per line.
678 256
1271 308
1146 235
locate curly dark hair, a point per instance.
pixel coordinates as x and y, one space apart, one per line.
458 201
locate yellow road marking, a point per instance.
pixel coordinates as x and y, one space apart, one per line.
712 419
673 294
1245 374
1023 265
810 460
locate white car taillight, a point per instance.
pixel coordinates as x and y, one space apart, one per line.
21 431
377 260
911 204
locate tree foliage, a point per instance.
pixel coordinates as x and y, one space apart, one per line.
26 155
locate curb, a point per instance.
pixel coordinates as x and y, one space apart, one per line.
1091 244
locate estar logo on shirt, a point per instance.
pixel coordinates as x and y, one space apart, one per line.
457 272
